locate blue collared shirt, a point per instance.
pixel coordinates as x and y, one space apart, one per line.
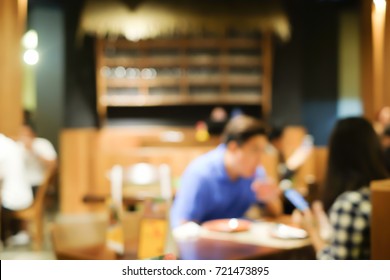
207 192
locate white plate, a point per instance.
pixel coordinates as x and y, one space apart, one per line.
283 231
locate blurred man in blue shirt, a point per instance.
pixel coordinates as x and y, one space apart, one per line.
226 181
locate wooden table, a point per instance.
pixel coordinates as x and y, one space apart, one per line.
211 249
196 249
215 249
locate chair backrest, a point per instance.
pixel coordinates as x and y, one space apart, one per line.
42 189
380 215
146 175
145 182
140 181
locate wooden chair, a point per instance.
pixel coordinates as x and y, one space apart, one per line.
35 212
140 181
380 225
150 185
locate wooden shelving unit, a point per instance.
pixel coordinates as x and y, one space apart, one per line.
184 71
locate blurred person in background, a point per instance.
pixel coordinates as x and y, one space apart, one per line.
382 120
385 140
38 153
217 121
355 159
382 128
35 155
226 181
287 168
16 193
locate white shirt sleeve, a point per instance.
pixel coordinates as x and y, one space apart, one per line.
16 193
44 148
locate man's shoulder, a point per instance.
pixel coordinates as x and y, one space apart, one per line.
4 140
44 147
206 163
42 143
7 144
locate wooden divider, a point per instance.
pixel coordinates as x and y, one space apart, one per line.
380 226
88 154
77 150
12 25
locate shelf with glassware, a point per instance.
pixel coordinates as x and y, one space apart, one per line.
183 72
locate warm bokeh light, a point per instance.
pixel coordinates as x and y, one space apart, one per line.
380 5
30 39
31 57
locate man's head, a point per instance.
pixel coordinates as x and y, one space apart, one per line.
27 133
384 116
245 139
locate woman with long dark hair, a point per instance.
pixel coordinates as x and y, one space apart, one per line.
355 159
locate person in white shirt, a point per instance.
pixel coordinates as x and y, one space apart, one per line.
39 154
16 193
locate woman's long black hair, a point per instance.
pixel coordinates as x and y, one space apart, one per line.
355 158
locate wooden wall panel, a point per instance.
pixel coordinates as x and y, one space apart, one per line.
266 98
386 60
380 226
77 150
366 59
12 23
375 58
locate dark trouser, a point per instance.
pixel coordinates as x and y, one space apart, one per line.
35 190
9 225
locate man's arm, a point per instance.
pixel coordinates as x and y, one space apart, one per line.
44 151
46 162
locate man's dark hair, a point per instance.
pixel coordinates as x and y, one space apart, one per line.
28 120
31 125
241 128
275 132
